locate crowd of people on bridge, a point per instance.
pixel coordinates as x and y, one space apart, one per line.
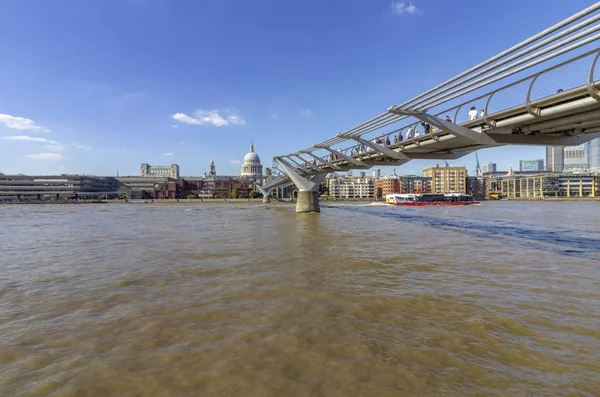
385 140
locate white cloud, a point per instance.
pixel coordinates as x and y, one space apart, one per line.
45 156
182 141
274 116
168 154
80 146
217 118
234 162
174 125
25 138
20 123
305 112
48 144
403 7
56 147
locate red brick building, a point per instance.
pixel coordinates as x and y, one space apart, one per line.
402 185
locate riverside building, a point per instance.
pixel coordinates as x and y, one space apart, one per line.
350 187
447 179
543 185
55 187
405 184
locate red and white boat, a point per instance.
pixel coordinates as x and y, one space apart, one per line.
430 199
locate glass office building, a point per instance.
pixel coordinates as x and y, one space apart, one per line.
531 165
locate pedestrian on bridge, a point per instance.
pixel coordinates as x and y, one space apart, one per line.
426 127
473 113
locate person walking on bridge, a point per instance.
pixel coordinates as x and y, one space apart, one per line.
426 127
473 113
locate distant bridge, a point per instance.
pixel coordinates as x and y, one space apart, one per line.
557 103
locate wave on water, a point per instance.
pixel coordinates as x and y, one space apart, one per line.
562 242
358 204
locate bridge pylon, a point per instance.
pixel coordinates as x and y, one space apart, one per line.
308 187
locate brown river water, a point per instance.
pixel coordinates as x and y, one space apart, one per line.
501 299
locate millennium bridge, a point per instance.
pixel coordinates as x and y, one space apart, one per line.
541 91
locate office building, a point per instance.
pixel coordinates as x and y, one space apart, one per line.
376 173
488 167
555 158
447 179
164 171
531 165
595 154
55 187
577 158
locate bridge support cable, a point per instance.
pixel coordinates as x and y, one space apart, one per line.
424 102
483 82
308 188
459 90
516 47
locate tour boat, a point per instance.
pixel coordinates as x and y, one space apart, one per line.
429 199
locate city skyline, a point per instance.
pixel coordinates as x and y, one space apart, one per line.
192 82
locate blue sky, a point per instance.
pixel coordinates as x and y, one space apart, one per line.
99 86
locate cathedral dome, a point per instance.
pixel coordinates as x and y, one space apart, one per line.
251 166
251 157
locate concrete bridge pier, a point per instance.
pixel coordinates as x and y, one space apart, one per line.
266 193
308 188
308 201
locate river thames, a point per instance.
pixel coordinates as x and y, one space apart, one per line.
252 300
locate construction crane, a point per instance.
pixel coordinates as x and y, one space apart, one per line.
477 166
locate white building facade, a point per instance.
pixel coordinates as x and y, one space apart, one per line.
165 171
351 187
